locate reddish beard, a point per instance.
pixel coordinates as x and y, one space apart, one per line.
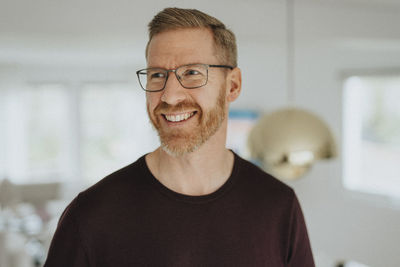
178 142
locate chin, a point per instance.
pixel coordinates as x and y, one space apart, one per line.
176 148
177 152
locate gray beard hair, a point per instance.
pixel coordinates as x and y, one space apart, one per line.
180 153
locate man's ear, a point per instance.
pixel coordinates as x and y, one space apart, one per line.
234 83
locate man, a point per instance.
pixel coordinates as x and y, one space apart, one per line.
191 202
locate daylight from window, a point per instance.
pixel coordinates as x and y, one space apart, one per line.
57 132
371 147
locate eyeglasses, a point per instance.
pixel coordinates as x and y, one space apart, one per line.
189 76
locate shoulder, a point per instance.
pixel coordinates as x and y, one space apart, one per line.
118 189
130 175
262 185
256 176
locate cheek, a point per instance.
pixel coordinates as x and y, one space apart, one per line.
218 90
152 101
210 94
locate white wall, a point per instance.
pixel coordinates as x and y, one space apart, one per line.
333 38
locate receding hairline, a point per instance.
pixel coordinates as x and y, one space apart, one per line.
204 28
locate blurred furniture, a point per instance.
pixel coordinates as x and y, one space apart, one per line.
23 220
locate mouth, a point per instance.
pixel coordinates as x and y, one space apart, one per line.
181 117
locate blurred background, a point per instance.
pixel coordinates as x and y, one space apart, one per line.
72 111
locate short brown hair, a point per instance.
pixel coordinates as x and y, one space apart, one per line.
178 18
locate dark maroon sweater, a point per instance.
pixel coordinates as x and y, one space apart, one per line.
130 219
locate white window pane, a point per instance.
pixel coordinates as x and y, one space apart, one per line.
36 133
372 135
115 128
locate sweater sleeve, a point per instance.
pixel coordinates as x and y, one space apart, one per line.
299 251
66 248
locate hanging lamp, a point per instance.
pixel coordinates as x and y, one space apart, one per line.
289 141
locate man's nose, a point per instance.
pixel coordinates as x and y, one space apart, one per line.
173 92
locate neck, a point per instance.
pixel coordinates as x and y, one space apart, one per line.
198 173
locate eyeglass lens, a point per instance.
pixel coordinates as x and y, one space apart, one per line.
189 76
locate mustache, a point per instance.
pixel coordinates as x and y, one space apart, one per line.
164 107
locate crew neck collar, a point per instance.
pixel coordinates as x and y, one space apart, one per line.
190 198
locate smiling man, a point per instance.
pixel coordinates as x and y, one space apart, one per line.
191 202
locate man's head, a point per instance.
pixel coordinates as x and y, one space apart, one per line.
187 118
177 18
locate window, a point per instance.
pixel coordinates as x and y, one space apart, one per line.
115 128
372 135
72 132
35 135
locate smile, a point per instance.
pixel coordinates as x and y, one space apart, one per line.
178 117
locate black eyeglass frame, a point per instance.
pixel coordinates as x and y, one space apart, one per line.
178 78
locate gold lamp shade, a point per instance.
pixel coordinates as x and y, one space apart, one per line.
288 141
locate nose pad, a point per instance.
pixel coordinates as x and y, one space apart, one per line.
178 77
173 92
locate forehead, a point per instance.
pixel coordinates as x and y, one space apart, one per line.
173 48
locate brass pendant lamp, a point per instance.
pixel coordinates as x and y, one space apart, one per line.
289 141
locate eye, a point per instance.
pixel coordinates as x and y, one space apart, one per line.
191 72
156 75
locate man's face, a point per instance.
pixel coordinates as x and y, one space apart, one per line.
186 118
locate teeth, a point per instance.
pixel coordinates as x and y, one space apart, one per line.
180 117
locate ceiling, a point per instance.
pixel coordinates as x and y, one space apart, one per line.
33 31
123 16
